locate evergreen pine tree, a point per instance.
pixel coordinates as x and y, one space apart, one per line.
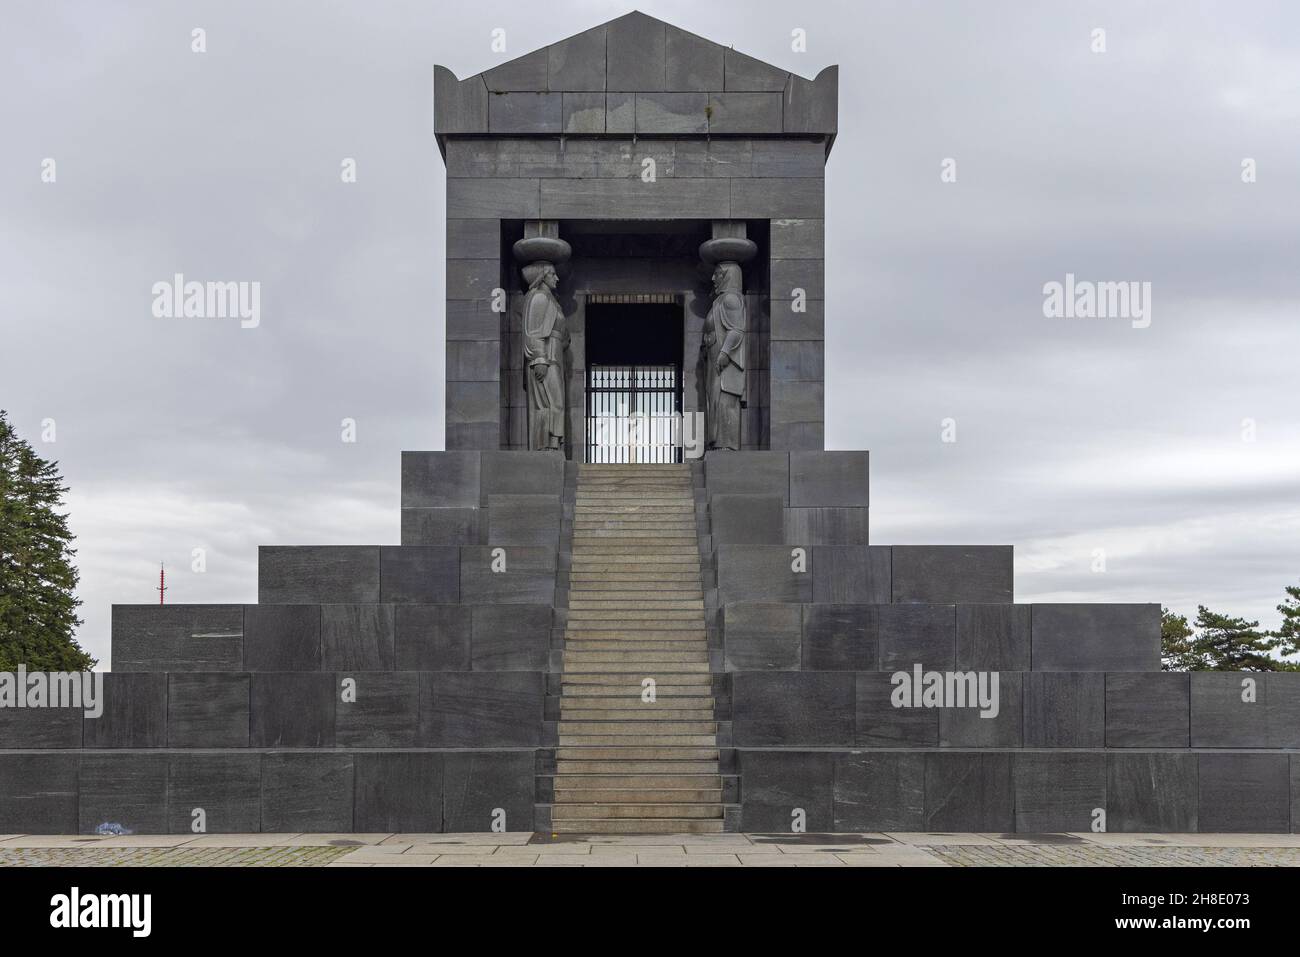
1232 644
38 604
1176 652
1288 635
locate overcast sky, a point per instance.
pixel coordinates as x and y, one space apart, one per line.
1072 435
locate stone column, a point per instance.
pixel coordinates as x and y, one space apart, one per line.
545 334
723 344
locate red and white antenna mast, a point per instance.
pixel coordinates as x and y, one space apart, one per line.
162 582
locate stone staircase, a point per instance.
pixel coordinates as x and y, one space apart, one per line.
627 762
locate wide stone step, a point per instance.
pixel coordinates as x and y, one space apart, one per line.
638 669
619 683
634 781
596 812
611 760
674 826
638 740
606 511
667 770
624 796
663 723
624 559
613 579
591 595
651 602
635 647
631 656
604 628
634 712
636 611
578 703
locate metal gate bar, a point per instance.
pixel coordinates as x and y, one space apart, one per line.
632 414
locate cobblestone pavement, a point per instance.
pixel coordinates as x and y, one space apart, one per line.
672 850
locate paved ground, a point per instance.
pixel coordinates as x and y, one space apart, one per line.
726 850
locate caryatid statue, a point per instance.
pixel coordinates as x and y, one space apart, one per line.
546 336
723 344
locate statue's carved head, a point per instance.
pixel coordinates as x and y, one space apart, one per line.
541 273
727 278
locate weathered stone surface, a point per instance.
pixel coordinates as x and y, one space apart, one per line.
471 403
916 634
441 479
785 158
357 637
305 792
692 62
764 572
993 637
748 473
1087 637
225 786
830 478
1220 718
879 792
306 574
440 526
663 113
840 638
808 323
524 520
1282 693
38 793
578 62
744 72
135 713
1065 710
878 724
968 728
398 791
852 574
792 709
292 710
812 106
481 709
473 361
731 113
747 519
1244 793
526 577
125 789
207 710
522 473
828 526
282 637
1147 710
966 574
433 637
584 113
525 113
666 197
782 787
470 239
635 52
492 197
40 727
1151 791
480 789
786 197
458 107
384 712
419 574
473 278
511 637
968 791
1058 792
798 361
177 637
799 238
762 636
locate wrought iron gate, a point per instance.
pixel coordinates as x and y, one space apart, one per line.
633 413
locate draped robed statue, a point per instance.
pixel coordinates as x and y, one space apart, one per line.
546 336
723 343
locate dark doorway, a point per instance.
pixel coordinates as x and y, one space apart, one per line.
634 382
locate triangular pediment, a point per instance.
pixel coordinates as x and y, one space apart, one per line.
636 74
